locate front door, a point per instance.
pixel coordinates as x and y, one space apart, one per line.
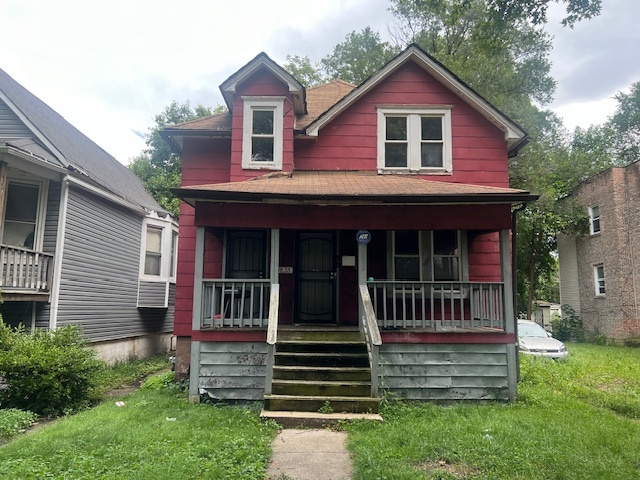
316 277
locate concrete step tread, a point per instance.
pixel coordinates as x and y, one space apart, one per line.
293 368
335 383
321 354
315 419
320 398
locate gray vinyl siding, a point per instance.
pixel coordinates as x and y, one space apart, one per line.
100 271
568 264
232 370
446 372
43 311
10 124
152 294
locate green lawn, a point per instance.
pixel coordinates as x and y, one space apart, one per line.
573 420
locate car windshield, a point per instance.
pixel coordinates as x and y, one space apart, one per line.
531 330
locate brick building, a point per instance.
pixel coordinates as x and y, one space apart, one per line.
600 271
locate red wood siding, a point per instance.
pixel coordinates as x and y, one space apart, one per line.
262 83
484 257
349 142
452 217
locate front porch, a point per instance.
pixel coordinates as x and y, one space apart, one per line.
442 340
26 274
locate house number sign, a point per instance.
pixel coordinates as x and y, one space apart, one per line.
363 237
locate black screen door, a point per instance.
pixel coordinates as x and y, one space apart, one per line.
315 285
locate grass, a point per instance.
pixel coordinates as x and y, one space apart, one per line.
574 420
155 434
125 373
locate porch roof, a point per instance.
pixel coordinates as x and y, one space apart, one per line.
349 187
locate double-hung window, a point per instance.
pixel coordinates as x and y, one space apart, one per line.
414 139
594 220
153 251
24 214
598 276
262 133
427 255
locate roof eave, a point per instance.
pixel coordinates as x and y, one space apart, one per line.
175 137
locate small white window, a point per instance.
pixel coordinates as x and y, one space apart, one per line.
174 253
262 133
598 274
594 220
153 252
417 140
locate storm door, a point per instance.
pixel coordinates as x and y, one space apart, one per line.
316 278
246 254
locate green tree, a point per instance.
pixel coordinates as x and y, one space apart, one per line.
157 166
358 57
535 11
307 73
625 124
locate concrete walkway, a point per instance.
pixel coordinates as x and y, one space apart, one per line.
310 455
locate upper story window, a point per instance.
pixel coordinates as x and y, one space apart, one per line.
427 256
594 220
262 132
598 274
160 244
24 214
414 139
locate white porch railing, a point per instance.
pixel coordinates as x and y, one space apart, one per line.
24 270
438 305
235 303
371 333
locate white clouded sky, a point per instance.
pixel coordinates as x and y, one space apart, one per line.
109 67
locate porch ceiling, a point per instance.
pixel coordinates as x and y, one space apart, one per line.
352 187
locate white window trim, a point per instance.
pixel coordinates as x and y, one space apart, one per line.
257 103
167 230
463 257
41 214
413 134
592 231
596 280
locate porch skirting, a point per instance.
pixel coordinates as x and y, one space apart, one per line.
236 371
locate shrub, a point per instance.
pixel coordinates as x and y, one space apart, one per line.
47 372
14 421
569 327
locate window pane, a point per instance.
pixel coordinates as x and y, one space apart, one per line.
154 240
431 128
407 268
262 150
445 242
174 248
22 202
395 155
263 122
152 263
431 155
19 234
407 242
396 128
446 268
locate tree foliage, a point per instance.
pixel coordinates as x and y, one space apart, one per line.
535 11
306 72
625 123
157 166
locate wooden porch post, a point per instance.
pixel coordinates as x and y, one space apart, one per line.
3 195
509 312
196 319
362 273
272 334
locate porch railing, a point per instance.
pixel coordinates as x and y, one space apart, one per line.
438 305
369 328
24 270
235 303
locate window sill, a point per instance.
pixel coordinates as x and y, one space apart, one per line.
261 166
596 234
408 171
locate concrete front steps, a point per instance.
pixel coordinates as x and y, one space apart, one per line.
320 371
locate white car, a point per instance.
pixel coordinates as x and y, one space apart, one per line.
535 340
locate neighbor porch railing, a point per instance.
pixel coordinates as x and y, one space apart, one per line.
235 303
438 305
24 270
371 333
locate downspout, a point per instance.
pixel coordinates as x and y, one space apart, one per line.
57 264
514 274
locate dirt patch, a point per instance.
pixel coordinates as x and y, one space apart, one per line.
444 467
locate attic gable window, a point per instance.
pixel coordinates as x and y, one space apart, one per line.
262 133
414 139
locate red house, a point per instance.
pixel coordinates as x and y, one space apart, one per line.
342 240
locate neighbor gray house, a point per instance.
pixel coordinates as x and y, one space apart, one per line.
81 241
